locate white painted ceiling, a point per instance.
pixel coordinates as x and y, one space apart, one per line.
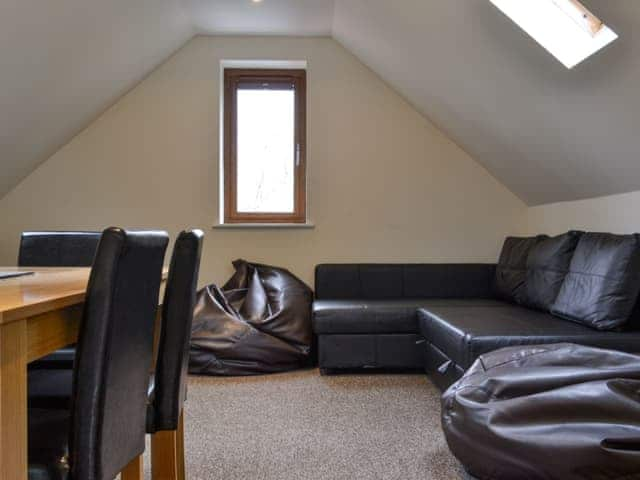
548 133
268 17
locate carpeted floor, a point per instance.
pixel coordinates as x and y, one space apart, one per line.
306 427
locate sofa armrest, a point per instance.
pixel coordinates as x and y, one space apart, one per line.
388 281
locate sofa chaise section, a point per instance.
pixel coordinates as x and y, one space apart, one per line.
365 315
455 336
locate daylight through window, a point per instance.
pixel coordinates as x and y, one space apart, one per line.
264 152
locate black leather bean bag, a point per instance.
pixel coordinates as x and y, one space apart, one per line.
259 322
547 412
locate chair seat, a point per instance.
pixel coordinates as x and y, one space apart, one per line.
50 388
48 444
62 358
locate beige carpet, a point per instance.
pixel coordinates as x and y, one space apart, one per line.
304 426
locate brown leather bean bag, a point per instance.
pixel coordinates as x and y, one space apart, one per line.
558 411
259 322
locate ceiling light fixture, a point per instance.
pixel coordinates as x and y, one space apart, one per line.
565 28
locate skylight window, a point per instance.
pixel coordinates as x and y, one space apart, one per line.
565 28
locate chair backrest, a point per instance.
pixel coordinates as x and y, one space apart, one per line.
57 249
177 315
114 354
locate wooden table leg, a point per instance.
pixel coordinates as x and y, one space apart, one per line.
180 448
133 471
164 461
13 401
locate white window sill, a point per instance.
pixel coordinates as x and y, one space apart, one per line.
264 225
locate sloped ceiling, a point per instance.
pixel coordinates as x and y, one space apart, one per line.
269 17
62 62
548 133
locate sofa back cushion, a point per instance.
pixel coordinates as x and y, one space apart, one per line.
397 281
448 280
547 266
358 281
337 281
511 271
603 282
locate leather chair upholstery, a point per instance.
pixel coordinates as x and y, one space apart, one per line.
57 249
170 387
105 427
167 389
50 388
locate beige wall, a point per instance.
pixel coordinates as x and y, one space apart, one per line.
615 213
384 183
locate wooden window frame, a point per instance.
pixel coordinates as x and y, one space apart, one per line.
232 78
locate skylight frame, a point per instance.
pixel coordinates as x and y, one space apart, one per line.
565 28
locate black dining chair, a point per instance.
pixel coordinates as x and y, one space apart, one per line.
167 388
103 432
165 418
57 249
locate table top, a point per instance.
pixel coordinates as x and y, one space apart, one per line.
46 289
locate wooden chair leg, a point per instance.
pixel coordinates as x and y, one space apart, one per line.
164 461
133 471
180 448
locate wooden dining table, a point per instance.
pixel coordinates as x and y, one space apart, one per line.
39 314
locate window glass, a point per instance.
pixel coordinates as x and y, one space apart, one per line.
265 150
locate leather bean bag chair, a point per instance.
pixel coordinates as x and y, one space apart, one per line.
258 322
558 411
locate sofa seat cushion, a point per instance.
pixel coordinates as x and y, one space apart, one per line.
462 333
378 316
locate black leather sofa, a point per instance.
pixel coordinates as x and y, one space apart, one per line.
441 317
366 316
457 336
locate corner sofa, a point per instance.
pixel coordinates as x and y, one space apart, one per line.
574 288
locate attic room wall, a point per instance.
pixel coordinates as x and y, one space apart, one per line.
614 213
384 183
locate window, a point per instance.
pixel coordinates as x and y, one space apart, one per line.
565 28
264 146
